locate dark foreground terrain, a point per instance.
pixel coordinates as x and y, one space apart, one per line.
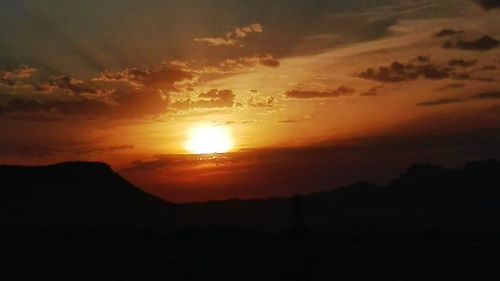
81 221
235 254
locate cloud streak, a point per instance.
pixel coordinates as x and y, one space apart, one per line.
399 72
484 43
14 78
261 101
444 101
212 99
232 38
300 94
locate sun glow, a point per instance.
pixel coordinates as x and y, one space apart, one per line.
205 140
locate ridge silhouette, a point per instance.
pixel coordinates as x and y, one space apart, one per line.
81 221
75 193
91 194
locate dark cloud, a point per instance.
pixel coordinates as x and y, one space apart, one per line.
467 76
488 4
145 93
164 77
420 68
484 43
439 102
480 96
269 61
485 68
212 99
139 103
71 86
372 91
452 86
122 105
299 94
147 96
448 32
398 72
488 95
462 63
421 59
71 107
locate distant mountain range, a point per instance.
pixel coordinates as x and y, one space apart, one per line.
88 194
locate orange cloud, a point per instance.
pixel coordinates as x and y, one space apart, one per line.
163 76
233 37
298 94
261 101
71 86
212 99
13 78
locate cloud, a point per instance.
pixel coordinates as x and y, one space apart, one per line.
448 32
217 41
488 95
299 94
484 43
441 101
163 76
231 66
261 101
372 91
287 121
467 76
268 61
119 105
212 99
399 72
422 68
232 38
70 85
172 161
145 93
237 65
451 86
486 68
148 97
14 78
462 63
488 4
66 107
242 32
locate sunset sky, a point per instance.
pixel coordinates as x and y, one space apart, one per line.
313 94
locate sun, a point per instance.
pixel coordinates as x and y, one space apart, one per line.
205 140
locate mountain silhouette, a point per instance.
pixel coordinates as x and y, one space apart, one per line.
424 197
91 194
76 194
82 221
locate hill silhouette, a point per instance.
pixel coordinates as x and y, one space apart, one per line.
82 221
86 193
76 194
